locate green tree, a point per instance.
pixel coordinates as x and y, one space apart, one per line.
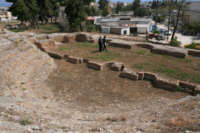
119 7
136 6
19 9
33 11
103 4
129 7
48 9
92 11
76 13
106 11
141 12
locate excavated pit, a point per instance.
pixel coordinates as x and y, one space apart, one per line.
88 88
57 96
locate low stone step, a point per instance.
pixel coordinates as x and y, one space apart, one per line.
129 74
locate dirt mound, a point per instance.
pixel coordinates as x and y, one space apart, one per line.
23 66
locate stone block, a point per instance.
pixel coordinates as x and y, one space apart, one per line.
187 85
150 76
140 75
95 65
69 38
194 52
55 56
171 51
82 37
120 44
41 37
117 66
166 84
85 60
92 40
197 89
66 56
74 60
129 74
45 45
145 45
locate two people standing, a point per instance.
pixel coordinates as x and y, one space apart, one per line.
102 44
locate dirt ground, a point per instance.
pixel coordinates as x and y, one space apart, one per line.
123 105
86 87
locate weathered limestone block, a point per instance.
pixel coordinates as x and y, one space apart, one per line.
166 84
197 89
82 37
55 56
117 66
129 74
193 52
95 65
171 51
120 44
187 85
150 76
69 38
85 60
32 40
140 75
56 37
41 37
92 40
45 45
75 60
65 56
145 45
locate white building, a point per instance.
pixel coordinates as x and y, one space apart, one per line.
120 30
126 25
5 16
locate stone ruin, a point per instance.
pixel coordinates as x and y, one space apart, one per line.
26 62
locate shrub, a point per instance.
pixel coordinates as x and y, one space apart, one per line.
175 42
90 28
193 46
25 122
156 32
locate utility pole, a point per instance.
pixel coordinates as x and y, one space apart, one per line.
177 18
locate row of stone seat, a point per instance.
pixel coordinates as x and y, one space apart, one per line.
158 49
169 50
157 81
160 82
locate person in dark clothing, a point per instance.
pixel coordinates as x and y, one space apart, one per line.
104 43
100 43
